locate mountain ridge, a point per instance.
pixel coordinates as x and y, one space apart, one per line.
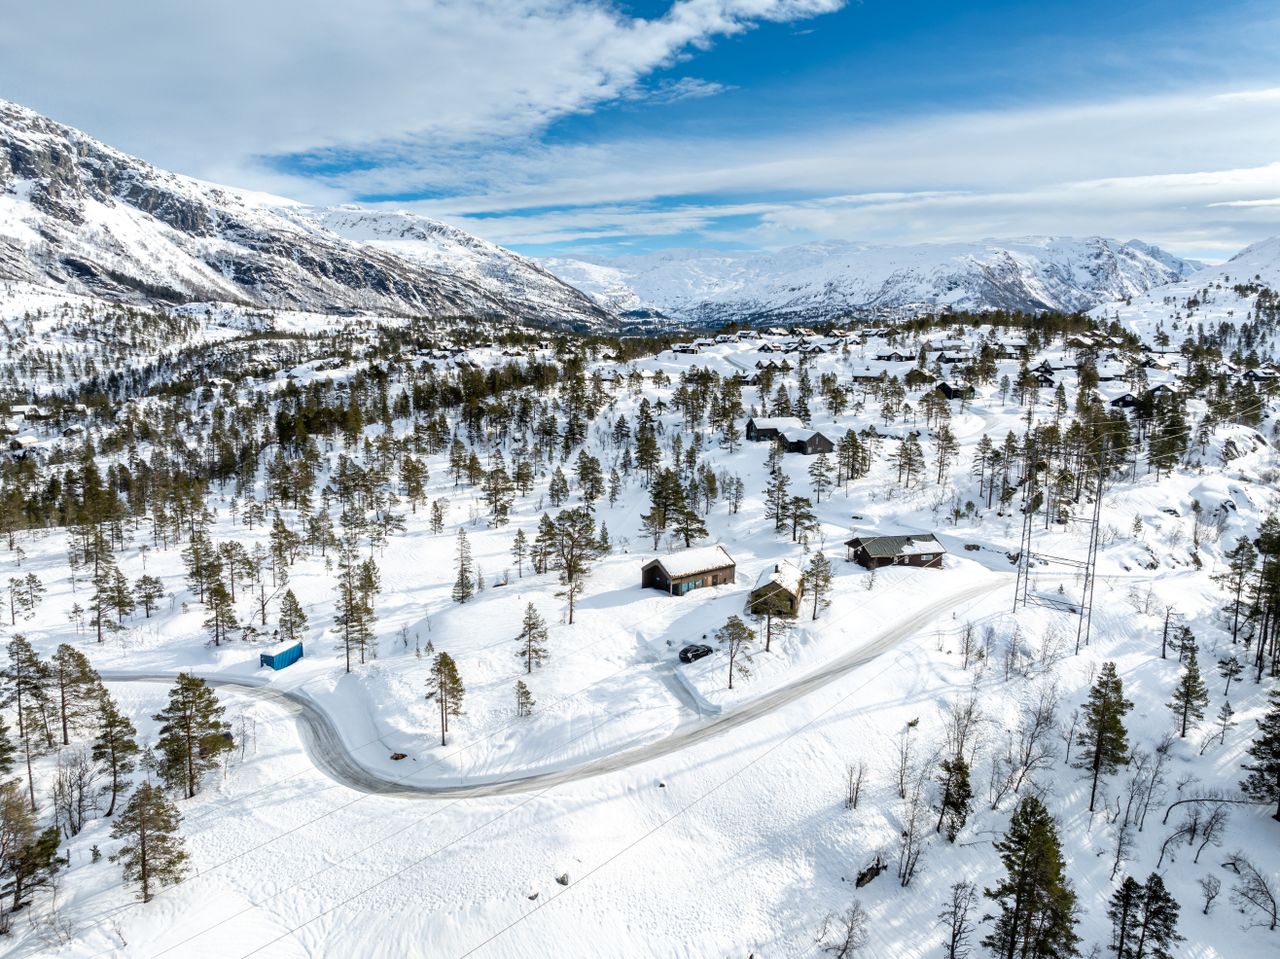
839 278
78 214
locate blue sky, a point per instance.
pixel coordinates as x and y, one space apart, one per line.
588 128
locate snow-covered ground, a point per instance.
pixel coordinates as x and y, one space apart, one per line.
736 843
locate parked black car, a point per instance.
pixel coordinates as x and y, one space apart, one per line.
695 652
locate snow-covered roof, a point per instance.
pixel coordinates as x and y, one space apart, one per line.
909 544
784 574
800 435
779 423
689 562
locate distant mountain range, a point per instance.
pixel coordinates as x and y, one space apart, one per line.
79 216
824 280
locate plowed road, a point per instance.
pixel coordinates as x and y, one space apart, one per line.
328 751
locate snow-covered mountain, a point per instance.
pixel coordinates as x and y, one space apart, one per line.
1225 293
823 280
81 216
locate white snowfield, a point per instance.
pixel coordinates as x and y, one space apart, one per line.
681 834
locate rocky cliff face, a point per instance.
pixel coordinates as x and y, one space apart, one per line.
78 214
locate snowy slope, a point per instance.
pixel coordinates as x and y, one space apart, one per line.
828 279
80 216
1207 296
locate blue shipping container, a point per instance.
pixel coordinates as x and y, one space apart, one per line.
280 660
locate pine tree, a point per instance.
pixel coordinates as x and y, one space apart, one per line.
1125 913
26 681
803 519
532 639
220 619
577 546
149 591
1190 696
776 498
1235 580
735 637
28 856
293 621
1230 669
153 853
957 795
519 550
820 480
524 699
1225 721
464 584
193 734
1103 740
445 685
7 750
353 620
1263 782
689 525
1158 931
115 747
817 580
76 688
1036 917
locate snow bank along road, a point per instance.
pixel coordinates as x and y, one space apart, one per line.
328 751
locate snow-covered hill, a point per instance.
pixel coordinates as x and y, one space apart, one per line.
1226 293
80 216
825 280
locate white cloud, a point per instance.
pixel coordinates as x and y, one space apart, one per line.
204 87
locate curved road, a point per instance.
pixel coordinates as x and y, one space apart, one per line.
327 750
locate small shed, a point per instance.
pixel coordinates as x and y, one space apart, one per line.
778 590
286 657
678 573
908 549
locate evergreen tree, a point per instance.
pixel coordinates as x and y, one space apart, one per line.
524 699
353 620
1230 669
735 638
220 618
820 480
7 750
149 591
1125 913
26 681
464 584
1235 581
957 795
153 853
519 550
1103 739
76 689
776 498
1263 782
1036 904
28 855
817 580
445 685
293 621
532 639
801 515
689 525
577 546
1190 696
1158 930
193 734
115 747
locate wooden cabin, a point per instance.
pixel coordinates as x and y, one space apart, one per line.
689 569
909 549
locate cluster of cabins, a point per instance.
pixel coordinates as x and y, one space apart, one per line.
790 433
780 587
